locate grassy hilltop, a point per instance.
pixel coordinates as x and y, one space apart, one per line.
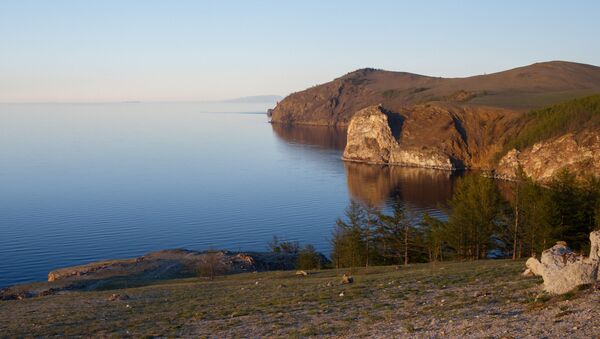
482 298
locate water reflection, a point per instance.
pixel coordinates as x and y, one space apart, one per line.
420 187
324 137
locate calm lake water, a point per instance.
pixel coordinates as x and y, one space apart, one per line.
85 182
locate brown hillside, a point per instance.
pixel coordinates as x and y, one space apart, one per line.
518 89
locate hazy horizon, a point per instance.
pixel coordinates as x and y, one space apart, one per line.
158 51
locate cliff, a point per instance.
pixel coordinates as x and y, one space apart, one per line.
542 142
578 153
432 136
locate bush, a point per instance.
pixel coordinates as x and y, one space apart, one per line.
212 264
277 246
309 258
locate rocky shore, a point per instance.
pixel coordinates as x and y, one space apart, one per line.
150 268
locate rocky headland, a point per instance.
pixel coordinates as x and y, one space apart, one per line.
396 118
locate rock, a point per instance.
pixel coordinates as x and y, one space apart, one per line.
370 140
534 266
563 270
347 279
579 153
302 273
527 273
118 297
48 292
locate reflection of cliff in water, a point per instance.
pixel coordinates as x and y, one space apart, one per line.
420 187
320 136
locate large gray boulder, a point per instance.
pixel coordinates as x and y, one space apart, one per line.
563 270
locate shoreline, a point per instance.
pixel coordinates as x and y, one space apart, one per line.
149 269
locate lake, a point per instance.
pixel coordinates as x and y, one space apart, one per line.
85 182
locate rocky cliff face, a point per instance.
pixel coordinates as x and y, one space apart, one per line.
579 153
370 140
370 137
432 136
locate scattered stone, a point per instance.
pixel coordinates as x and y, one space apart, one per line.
116 297
347 279
48 292
302 273
341 294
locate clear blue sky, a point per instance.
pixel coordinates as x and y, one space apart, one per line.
208 50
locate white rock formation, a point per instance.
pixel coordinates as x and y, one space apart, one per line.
370 140
563 270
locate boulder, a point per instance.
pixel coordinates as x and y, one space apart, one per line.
117 297
347 279
563 270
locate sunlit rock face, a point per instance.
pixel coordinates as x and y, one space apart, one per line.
578 153
370 140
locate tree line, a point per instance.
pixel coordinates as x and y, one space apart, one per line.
521 220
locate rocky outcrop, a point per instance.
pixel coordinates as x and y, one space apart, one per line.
563 270
176 263
579 153
370 140
370 137
447 123
150 268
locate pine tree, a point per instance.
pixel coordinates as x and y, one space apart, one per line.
476 208
348 245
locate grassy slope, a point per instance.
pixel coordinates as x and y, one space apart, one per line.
414 300
571 116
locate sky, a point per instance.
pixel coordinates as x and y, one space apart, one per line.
116 50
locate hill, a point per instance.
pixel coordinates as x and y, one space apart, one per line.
519 90
573 116
484 298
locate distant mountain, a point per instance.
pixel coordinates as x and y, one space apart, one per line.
256 99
